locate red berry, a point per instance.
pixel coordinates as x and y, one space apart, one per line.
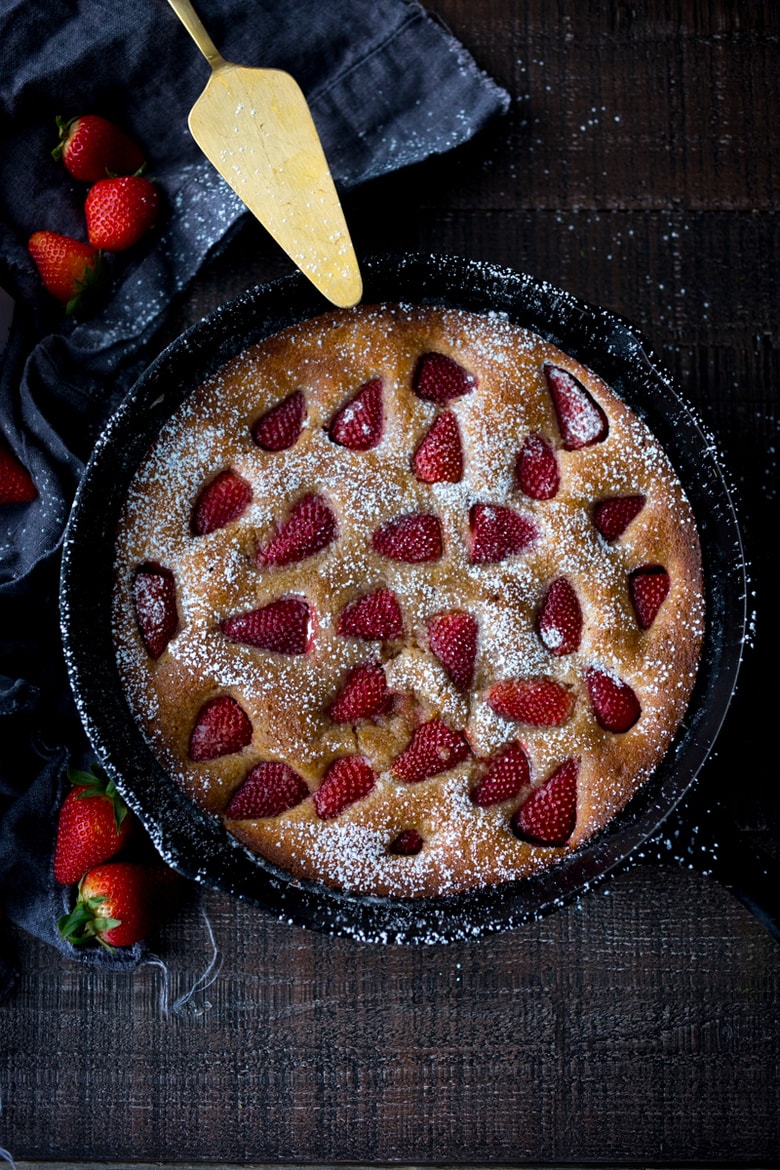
648 587
581 420
433 748
413 538
374 617
439 458
359 423
120 903
221 502
407 843
614 703
506 774
540 702
310 526
452 637
537 469
93 824
559 621
269 789
69 269
280 427
221 728
91 148
438 378
347 780
613 516
498 532
16 483
154 597
549 815
119 212
363 694
283 626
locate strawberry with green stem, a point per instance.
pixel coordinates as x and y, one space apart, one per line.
70 270
93 824
92 147
121 903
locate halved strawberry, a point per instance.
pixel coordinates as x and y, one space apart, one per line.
452 637
221 728
537 470
220 502
581 420
438 378
375 616
280 427
408 843
549 814
412 538
269 789
358 425
310 526
363 694
433 748
16 483
648 587
283 626
559 620
498 532
612 516
614 702
540 702
439 458
154 598
506 774
347 780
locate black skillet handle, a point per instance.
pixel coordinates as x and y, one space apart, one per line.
704 838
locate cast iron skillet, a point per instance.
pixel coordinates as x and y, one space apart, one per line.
198 846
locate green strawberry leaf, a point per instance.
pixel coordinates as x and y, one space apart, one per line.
97 783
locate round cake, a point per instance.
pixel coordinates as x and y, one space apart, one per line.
409 599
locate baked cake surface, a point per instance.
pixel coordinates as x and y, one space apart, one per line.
409 599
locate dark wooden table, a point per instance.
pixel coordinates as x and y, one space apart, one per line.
638 169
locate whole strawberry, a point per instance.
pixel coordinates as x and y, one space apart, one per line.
91 148
69 269
16 483
120 211
120 903
94 824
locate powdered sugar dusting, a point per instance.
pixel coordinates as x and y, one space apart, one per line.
287 696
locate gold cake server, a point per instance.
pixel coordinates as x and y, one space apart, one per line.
254 125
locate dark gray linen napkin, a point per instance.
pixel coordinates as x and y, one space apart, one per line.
388 86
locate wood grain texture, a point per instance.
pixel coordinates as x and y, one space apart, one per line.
603 1027
637 168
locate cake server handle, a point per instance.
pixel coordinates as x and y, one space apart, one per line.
197 30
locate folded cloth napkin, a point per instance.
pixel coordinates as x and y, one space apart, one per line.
388 86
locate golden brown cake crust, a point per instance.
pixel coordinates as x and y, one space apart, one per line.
287 696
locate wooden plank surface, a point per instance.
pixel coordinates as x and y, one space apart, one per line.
637 168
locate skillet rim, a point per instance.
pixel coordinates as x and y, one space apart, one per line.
194 843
